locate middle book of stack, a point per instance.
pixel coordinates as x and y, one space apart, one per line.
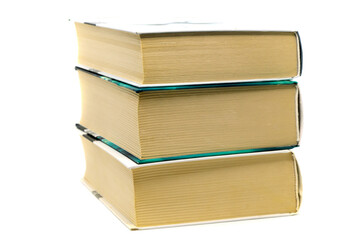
178 151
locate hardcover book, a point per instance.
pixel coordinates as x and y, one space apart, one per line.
198 190
167 54
165 122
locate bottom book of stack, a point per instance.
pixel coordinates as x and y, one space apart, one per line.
194 190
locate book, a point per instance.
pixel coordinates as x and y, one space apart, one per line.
152 123
166 54
208 189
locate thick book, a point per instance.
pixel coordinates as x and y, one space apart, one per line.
153 123
199 190
164 54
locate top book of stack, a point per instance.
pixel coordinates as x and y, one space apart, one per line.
161 55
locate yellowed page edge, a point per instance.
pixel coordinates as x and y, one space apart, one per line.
110 207
133 227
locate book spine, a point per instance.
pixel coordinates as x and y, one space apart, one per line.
300 54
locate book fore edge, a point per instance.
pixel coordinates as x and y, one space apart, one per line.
131 226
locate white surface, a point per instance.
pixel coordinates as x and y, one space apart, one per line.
41 161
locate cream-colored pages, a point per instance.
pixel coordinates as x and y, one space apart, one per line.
199 190
171 123
163 56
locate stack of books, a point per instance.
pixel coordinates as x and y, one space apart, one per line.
189 123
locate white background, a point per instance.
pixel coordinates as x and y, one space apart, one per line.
41 158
